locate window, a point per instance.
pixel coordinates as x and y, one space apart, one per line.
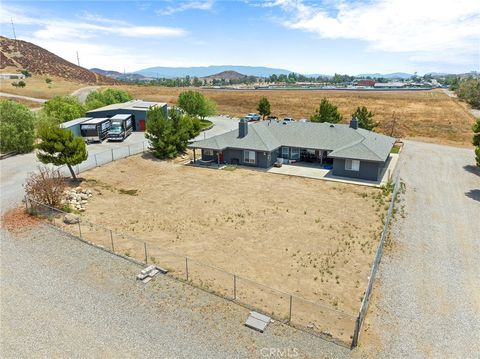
208 152
352 165
249 156
285 152
295 153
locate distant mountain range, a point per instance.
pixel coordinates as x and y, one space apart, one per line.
204 71
395 75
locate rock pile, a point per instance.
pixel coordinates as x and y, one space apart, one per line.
77 198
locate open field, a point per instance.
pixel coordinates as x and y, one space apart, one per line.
308 237
38 88
428 115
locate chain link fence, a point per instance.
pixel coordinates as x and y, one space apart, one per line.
321 320
376 263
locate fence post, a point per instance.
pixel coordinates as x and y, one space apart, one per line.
234 287
112 154
26 204
290 312
143 143
111 240
78 169
129 150
80 229
145 248
96 162
186 267
356 331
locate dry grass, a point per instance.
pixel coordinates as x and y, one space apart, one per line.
430 115
29 104
38 88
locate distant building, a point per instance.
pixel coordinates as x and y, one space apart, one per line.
137 108
366 83
395 84
12 76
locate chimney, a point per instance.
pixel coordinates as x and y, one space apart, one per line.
354 123
242 128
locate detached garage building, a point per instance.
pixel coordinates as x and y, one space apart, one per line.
137 108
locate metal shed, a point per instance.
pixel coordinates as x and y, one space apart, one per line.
137 108
74 125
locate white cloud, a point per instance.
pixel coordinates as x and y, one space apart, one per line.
90 25
426 28
187 5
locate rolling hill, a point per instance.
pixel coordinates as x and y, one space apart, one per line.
226 75
18 55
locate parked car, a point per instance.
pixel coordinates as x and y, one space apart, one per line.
253 117
288 119
272 118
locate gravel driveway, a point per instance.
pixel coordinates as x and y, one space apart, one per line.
428 300
63 298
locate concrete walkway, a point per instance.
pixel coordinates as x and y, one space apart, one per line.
316 172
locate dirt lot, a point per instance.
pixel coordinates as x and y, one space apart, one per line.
308 237
431 116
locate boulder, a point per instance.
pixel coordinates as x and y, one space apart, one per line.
70 219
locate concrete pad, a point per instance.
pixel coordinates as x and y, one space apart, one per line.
257 321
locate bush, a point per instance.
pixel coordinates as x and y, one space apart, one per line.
48 80
108 96
19 84
46 186
64 108
16 127
469 91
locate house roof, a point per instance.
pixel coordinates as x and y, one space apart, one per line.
74 122
343 141
130 105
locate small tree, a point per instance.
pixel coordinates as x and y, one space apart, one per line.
365 118
327 112
476 140
169 135
19 84
61 147
26 73
469 91
46 186
64 108
196 104
263 107
48 80
17 131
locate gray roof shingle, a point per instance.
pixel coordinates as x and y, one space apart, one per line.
343 141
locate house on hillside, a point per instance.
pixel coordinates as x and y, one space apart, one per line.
350 151
137 108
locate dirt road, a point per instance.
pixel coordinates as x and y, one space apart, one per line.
428 300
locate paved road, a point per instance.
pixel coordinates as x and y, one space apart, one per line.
33 99
428 301
222 124
81 94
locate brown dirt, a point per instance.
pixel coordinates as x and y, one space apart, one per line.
422 114
17 220
294 234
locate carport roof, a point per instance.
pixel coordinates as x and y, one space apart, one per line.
342 140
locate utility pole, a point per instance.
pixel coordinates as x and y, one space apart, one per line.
78 59
13 29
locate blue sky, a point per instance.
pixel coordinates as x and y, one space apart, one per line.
302 36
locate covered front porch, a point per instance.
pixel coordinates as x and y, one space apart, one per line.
208 157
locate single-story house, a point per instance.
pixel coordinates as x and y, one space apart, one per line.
137 108
351 151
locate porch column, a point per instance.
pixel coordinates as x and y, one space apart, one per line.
218 159
194 159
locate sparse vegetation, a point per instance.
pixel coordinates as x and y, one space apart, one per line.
45 186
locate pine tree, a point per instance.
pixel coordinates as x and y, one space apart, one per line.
365 118
263 107
61 147
327 112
